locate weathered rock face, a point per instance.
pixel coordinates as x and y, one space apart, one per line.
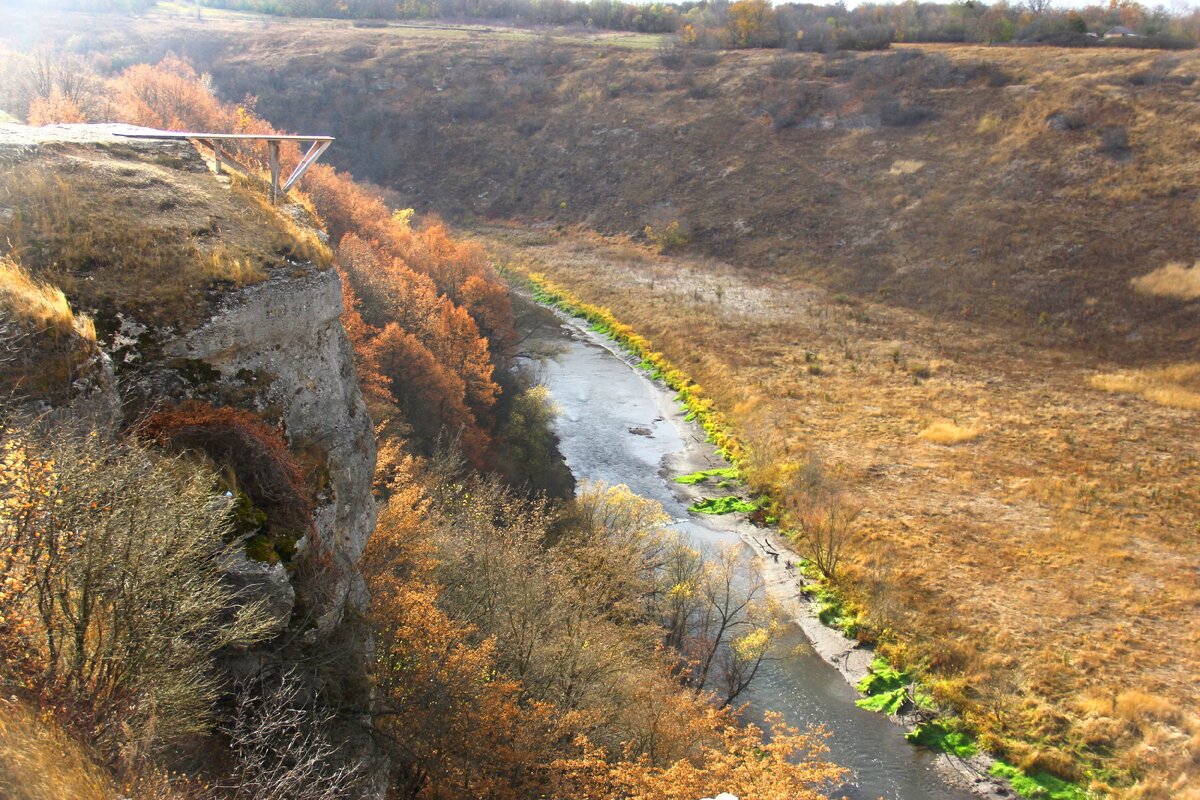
277 348
284 340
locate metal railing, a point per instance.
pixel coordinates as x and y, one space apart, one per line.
222 158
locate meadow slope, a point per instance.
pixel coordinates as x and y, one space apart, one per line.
1026 537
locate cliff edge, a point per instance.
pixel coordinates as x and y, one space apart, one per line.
201 294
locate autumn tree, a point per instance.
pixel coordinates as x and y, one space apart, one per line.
111 563
751 23
822 514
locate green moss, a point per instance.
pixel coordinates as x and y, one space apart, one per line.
723 505
1040 785
197 372
705 474
939 736
259 548
887 702
247 518
285 545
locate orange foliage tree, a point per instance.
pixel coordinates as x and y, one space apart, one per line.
473 710
441 292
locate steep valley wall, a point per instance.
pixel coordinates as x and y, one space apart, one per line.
275 347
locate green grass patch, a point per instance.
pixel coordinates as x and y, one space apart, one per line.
705 474
937 735
831 610
887 702
723 505
1040 785
883 677
886 688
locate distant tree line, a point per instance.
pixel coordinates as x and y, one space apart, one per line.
87 5
605 14
807 26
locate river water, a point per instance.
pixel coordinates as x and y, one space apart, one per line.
617 426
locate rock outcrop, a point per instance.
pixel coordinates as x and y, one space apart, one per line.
280 345
273 345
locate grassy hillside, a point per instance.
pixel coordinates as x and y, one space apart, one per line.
1021 186
1024 187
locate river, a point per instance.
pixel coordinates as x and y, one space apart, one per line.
617 426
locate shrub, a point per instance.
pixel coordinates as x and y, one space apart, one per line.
252 457
284 744
865 39
1114 142
896 115
113 586
667 238
784 120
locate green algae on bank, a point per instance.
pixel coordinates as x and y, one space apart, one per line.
723 505
704 474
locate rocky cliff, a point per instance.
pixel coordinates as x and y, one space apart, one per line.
202 292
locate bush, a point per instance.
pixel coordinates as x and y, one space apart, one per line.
113 600
896 115
1114 142
252 458
667 238
865 39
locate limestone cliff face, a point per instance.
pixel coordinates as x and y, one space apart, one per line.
284 340
276 347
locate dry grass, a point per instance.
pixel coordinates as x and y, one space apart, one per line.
906 167
38 304
1173 280
148 233
44 345
945 431
39 761
220 265
1051 559
1176 386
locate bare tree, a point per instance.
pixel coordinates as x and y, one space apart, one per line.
731 626
824 515
67 75
283 746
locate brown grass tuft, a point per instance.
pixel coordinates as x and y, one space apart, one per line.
1177 386
1136 706
38 304
944 431
222 265
906 167
39 761
44 345
1173 280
